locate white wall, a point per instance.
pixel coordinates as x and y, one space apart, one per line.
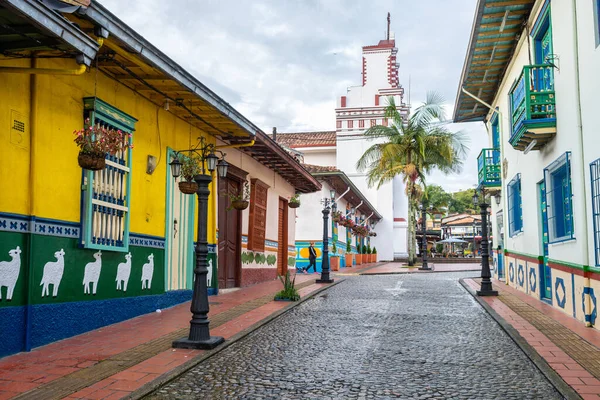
322 156
531 165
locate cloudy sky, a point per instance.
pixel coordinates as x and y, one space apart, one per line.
283 63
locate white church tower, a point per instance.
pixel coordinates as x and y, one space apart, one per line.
361 107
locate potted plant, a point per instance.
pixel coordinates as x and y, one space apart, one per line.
289 292
358 255
374 254
334 259
369 253
337 217
96 141
190 167
240 200
294 201
348 255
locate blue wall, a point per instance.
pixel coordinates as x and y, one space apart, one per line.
52 322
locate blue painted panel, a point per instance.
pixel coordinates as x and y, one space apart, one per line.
52 322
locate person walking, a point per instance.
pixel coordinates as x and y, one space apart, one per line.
312 258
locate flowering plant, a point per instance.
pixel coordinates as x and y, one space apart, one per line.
295 198
337 217
359 230
97 139
190 167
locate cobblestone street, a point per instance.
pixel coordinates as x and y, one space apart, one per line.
410 336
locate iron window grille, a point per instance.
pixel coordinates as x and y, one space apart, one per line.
106 194
515 206
559 208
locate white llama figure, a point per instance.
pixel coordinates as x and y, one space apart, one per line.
53 273
92 273
123 273
9 272
147 272
210 272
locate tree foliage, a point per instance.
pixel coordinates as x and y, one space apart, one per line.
412 149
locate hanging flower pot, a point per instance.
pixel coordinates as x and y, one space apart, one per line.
294 204
92 161
240 204
188 187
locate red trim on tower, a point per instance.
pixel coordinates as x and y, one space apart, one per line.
399 220
338 124
364 72
376 99
343 101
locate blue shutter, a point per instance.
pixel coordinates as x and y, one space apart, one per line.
559 210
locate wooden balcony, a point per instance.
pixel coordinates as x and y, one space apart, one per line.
488 167
532 106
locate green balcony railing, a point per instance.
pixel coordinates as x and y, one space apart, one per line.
488 167
532 105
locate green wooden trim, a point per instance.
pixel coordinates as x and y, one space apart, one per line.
110 114
568 264
509 252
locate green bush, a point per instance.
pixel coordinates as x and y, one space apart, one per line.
289 291
348 247
374 250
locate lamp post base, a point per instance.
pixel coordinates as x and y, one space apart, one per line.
427 268
487 293
324 281
186 343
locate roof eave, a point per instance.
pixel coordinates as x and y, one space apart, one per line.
349 182
144 49
54 24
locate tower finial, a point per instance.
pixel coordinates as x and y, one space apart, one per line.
388 26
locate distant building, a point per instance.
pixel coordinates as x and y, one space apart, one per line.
360 108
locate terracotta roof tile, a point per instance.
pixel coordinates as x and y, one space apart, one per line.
306 139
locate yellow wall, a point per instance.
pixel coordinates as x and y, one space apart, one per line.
56 175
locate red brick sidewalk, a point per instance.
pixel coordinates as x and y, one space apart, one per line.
566 345
115 361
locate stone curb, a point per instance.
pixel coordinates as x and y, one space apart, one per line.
563 388
165 378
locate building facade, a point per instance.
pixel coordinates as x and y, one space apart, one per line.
531 75
82 249
363 106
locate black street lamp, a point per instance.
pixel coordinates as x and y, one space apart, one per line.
486 283
325 264
199 336
474 234
424 266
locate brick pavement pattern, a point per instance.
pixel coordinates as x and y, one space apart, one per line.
390 336
568 347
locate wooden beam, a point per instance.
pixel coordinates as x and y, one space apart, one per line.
509 3
501 14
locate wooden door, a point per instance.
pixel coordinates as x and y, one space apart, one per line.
282 238
179 244
230 238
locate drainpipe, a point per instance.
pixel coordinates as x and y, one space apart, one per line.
33 102
586 253
51 71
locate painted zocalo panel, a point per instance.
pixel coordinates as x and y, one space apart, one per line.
9 272
53 273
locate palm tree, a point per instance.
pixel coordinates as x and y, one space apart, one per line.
412 149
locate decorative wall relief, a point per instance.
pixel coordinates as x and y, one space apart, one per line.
53 273
148 272
9 272
92 274
271 259
210 273
123 273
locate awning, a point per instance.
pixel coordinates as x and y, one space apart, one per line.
497 26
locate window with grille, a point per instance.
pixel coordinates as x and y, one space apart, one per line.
373 122
515 213
106 193
361 123
559 210
350 124
258 215
595 178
